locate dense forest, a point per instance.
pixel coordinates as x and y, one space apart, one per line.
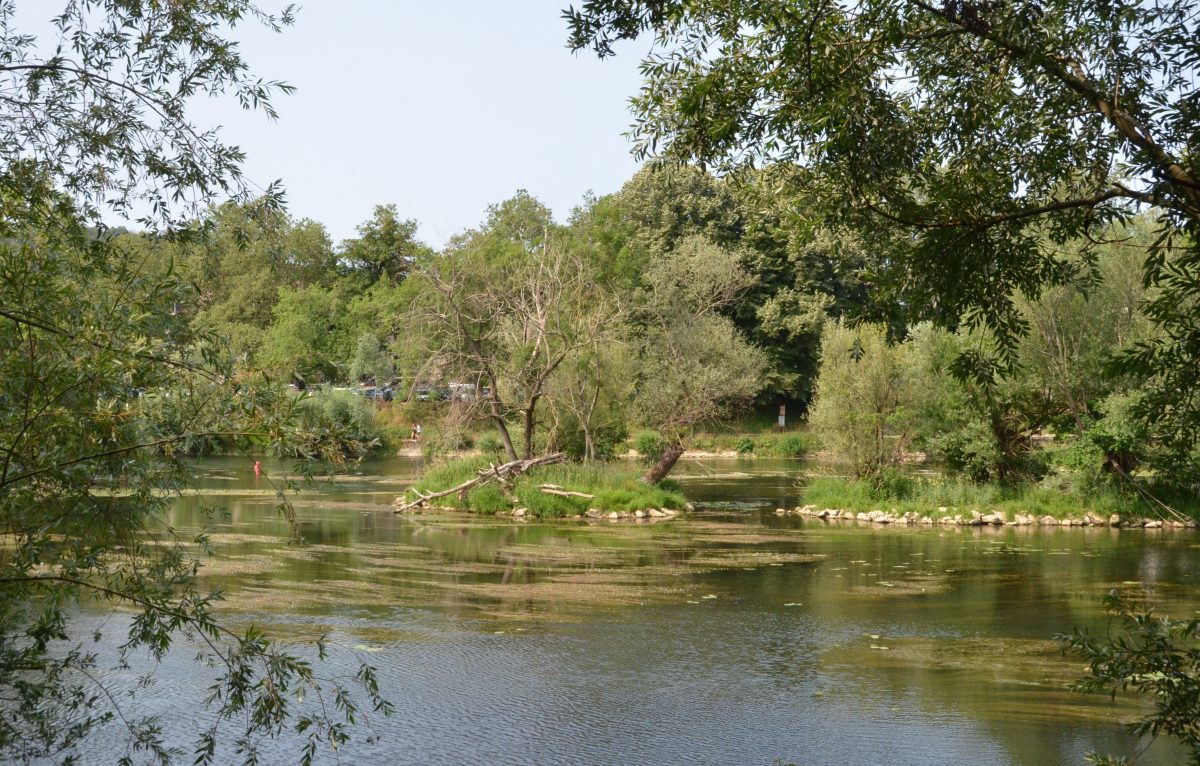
673 305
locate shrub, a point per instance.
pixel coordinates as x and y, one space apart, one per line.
744 446
890 484
793 445
649 444
860 408
336 422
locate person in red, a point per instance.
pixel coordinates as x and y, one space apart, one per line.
258 468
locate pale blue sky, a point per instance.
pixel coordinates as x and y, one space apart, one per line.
439 107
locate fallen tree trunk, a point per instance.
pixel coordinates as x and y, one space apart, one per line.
567 493
504 473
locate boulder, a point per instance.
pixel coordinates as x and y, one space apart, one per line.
592 513
780 511
926 520
1114 520
862 516
1048 521
654 512
1153 524
639 514
519 512
613 515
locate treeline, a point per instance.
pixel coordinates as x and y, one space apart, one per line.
669 305
295 304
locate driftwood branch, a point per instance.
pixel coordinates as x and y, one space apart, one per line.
504 474
566 493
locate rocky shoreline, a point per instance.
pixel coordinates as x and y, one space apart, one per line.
977 519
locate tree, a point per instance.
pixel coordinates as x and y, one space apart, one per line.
862 406
964 141
795 283
693 365
302 340
87 323
386 247
492 313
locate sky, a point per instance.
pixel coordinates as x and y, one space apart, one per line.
441 108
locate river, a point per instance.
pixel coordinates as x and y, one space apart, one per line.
729 636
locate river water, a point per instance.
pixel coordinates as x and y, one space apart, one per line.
730 636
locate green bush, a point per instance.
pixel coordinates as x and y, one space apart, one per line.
488 499
793 445
744 446
649 444
606 439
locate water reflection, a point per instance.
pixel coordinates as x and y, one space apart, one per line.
731 636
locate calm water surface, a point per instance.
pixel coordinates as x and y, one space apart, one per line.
732 636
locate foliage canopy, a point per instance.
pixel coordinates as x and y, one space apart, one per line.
963 141
92 338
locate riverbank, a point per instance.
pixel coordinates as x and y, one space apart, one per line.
945 517
1059 500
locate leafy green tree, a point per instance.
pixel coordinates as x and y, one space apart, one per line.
302 340
502 309
386 247
965 142
371 361
795 283
88 323
694 366
248 254
862 410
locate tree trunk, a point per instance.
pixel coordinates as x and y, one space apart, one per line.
665 463
530 419
528 435
509 450
498 418
589 444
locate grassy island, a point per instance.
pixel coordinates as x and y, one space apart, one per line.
560 490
